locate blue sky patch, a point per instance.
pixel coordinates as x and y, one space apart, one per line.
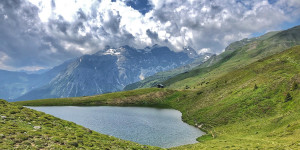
143 6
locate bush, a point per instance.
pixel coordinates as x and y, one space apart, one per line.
74 144
199 92
255 87
288 97
13 111
57 140
294 86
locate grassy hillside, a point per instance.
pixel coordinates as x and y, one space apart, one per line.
146 97
23 128
237 55
254 107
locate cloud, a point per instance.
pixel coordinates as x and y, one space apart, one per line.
44 33
152 35
216 23
23 41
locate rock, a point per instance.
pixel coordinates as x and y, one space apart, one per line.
3 117
89 131
37 127
199 126
2 136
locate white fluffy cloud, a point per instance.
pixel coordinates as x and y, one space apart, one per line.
59 30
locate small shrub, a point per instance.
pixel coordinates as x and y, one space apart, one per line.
23 137
288 97
13 111
294 86
57 140
74 144
199 92
255 87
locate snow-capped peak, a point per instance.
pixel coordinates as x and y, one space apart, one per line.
112 52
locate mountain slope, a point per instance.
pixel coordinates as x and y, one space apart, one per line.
237 57
15 84
108 71
159 77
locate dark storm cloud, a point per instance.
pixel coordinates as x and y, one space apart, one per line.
152 35
111 22
23 41
59 24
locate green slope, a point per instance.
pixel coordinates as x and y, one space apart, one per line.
247 108
247 116
17 132
140 97
237 55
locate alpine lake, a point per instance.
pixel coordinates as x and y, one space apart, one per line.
149 126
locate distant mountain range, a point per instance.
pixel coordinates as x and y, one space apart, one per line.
106 71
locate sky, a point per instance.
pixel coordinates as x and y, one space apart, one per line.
40 34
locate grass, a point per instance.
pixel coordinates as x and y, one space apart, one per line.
142 97
242 109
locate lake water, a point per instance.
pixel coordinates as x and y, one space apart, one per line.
149 126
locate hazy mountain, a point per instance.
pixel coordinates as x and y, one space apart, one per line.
160 77
111 70
14 84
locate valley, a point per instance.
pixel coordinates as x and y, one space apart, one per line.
244 108
149 75
246 97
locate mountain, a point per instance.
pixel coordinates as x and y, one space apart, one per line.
236 55
159 77
110 70
15 84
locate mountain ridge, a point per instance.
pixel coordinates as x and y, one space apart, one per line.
110 70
